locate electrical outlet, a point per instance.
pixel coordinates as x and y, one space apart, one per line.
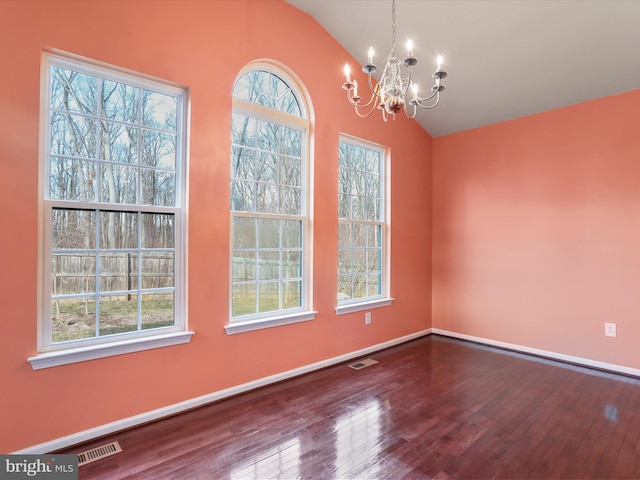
609 329
367 318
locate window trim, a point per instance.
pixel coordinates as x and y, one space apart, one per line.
384 298
53 354
258 321
56 358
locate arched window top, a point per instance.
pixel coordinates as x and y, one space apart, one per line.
269 90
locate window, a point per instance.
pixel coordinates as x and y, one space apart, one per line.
270 248
113 168
362 244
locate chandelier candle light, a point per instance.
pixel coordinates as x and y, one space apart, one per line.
389 94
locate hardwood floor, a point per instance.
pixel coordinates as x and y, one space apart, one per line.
431 408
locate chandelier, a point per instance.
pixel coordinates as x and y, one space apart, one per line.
390 93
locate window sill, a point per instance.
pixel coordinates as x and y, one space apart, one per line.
366 305
92 352
247 326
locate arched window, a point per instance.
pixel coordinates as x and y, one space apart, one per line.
270 184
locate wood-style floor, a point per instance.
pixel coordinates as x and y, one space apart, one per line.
431 408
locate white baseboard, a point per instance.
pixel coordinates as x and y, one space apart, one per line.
542 353
86 435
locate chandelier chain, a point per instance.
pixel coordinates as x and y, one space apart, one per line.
393 25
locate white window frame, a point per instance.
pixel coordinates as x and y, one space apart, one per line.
305 312
53 354
384 298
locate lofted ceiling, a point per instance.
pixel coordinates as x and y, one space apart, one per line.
505 58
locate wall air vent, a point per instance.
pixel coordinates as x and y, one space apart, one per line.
98 453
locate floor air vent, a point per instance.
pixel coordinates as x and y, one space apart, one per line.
98 453
363 363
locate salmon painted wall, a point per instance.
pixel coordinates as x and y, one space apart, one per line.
201 45
536 230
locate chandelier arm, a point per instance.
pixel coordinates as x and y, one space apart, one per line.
405 88
429 107
376 89
406 110
359 108
424 99
365 115
356 103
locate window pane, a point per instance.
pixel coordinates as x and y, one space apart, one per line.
345 287
359 260
245 131
159 110
345 235
73 319
72 179
118 143
267 89
157 270
345 261
244 232
359 235
73 274
291 294
73 91
373 285
374 235
356 208
254 165
73 135
117 272
118 314
359 286
344 206
244 162
119 184
290 201
158 230
71 229
158 310
120 101
373 260
267 200
268 265
291 264
118 230
244 266
158 149
373 162
292 233
268 233
370 209
157 187
290 142
243 196
268 297
290 171
244 299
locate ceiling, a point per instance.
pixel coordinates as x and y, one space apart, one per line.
505 58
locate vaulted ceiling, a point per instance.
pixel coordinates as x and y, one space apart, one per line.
505 58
